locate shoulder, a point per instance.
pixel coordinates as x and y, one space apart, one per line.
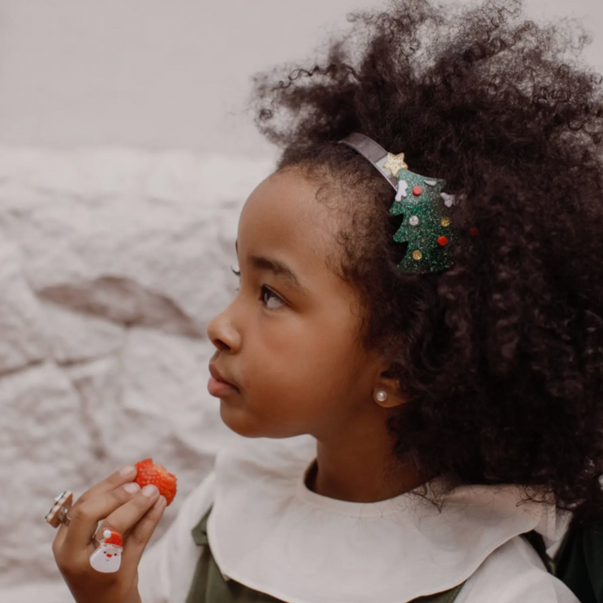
513 573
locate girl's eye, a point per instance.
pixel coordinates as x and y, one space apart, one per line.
270 299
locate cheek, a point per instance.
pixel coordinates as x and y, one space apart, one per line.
293 382
300 355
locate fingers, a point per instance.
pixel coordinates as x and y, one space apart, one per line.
125 518
141 534
86 515
117 479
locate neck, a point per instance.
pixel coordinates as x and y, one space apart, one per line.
361 469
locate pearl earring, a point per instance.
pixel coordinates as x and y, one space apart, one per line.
381 396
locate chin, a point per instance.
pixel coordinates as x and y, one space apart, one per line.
239 421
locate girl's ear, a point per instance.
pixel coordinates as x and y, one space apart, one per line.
386 392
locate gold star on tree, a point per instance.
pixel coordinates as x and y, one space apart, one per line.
395 163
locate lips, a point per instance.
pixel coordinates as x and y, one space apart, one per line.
218 376
218 385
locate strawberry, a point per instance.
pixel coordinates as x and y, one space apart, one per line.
159 476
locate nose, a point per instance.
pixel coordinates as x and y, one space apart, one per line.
223 334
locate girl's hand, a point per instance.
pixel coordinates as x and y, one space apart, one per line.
123 508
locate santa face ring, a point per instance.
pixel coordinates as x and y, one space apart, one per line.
107 557
58 512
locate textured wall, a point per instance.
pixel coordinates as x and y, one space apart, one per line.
112 261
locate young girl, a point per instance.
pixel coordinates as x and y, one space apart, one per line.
415 366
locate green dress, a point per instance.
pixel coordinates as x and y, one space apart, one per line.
209 586
579 562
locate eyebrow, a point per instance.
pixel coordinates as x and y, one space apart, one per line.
276 267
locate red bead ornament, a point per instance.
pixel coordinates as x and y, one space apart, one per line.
443 241
473 232
417 190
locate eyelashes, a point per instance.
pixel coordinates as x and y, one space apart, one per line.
266 294
237 273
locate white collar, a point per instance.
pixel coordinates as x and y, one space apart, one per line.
269 532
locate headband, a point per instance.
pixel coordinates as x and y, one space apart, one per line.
426 224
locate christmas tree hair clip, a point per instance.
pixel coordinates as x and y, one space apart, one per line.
426 209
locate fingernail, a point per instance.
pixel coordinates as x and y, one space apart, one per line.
149 490
161 503
127 471
132 488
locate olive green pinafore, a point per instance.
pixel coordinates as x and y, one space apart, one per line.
209 586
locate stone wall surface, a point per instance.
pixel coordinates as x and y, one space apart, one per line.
112 262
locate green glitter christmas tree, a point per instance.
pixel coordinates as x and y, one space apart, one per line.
426 225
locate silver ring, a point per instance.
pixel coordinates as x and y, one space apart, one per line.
58 513
64 517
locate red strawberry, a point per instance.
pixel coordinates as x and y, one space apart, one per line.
159 476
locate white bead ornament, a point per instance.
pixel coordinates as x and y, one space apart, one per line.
381 396
402 190
449 200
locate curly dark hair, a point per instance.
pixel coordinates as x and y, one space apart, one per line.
501 356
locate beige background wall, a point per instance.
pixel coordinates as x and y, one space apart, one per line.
164 73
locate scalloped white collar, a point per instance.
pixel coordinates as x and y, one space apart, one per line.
267 530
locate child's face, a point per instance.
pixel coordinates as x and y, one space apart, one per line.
289 340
